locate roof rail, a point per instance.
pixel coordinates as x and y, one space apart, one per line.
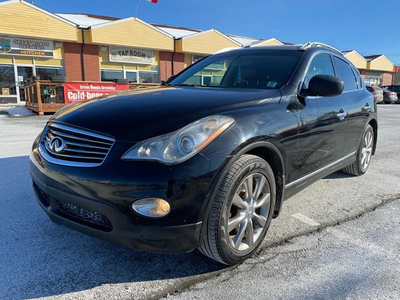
318 44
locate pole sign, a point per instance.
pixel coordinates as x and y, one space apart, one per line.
74 92
17 46
131 55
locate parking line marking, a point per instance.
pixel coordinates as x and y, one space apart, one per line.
305 219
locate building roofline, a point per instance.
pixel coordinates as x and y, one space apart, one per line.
9 2
175 27
132 19
266 40
208 31
373 57
101 17
351 51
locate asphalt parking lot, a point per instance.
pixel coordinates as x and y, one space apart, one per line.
338 239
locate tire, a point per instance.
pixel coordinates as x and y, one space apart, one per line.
364 154
227 238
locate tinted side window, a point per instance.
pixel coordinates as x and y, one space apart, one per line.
346 74
321 64
358 78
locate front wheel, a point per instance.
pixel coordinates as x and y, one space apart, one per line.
241 211
364 154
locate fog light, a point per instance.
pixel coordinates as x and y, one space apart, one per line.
151 207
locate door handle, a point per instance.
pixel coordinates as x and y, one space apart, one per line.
342 114
367 108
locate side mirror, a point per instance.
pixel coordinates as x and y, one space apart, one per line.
325 86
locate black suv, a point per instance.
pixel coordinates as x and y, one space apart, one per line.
206 160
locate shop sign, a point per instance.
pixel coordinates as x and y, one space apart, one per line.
74 92
17 46
131 55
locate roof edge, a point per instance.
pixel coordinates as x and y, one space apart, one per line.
132 19
211 30
10 2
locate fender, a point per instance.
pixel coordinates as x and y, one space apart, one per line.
245 148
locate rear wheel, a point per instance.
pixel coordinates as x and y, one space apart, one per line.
241 211
364 154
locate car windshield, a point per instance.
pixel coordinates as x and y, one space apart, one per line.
268 69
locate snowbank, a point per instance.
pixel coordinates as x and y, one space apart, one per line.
18 111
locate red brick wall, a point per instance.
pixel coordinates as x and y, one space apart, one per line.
179 62
73 62
166 64
387 78
92 63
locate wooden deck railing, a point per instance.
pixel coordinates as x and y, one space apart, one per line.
44 96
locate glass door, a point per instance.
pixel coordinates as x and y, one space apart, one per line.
23 74
7 84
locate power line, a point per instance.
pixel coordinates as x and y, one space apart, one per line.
107 3
118 8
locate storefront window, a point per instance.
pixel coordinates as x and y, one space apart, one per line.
7 80
111 75
195 80
46 72
373 78
148 77
131 76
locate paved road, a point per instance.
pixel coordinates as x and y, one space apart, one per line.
40 259
359 259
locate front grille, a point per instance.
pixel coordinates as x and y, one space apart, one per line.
84 215
70 146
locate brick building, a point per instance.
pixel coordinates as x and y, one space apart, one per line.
376 70
84 47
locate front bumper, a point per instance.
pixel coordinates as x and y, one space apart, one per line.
101 220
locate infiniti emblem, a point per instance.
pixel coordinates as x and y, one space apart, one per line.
57 144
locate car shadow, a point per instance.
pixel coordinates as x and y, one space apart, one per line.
338 175
41 259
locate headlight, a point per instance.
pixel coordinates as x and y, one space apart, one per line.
180 145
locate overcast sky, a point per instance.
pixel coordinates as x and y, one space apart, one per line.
370 27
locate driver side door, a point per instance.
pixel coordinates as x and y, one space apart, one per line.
322 126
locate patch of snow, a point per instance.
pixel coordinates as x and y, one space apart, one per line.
245 41
82 20
19 111
176 32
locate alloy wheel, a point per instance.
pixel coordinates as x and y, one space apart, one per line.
248 213
366 151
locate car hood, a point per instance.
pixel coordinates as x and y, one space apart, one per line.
140 114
